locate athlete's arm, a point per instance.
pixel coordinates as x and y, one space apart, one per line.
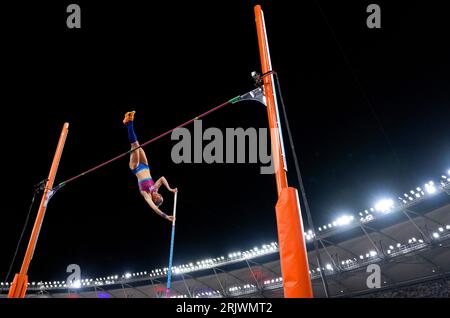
150 202
163 180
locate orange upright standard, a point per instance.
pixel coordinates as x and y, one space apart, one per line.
291 239
20 283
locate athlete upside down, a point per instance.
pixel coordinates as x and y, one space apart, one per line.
140 168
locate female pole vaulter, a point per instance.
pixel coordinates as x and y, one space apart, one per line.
140 168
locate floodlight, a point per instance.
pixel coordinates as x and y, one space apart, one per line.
384 205
430 187
344 220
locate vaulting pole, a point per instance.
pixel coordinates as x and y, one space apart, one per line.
172 242
293 255
20 283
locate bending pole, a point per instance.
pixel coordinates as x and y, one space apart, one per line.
293 255
20 283
172 240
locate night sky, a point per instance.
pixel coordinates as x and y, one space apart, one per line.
369 111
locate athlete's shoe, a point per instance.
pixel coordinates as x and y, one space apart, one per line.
129 117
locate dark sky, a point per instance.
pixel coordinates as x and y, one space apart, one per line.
369 111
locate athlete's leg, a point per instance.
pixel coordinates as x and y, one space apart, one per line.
132 138
142 156
134 155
